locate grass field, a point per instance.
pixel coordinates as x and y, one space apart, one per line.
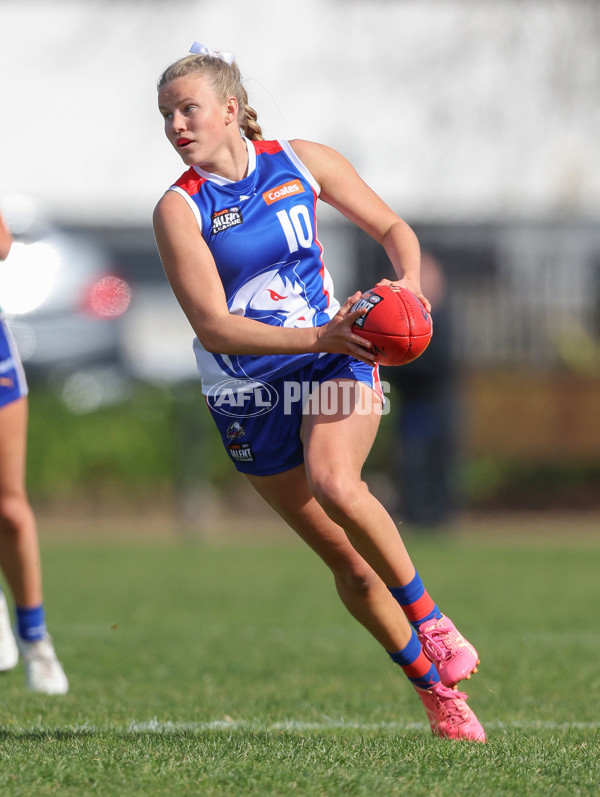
228 667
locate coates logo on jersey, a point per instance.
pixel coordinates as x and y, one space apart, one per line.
224 219
242 398
283 191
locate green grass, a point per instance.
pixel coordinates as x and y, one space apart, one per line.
230 668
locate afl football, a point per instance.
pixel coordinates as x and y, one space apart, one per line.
396 323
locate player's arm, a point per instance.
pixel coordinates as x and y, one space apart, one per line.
344 189
192 273
5 240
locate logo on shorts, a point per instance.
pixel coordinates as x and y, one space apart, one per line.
282 191
241 452
6 381
224 219
235 430
242 398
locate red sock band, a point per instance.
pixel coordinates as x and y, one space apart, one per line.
420 608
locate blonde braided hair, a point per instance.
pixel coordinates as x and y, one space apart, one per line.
226 81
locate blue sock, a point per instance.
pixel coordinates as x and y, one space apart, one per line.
417 667
418 606
31 622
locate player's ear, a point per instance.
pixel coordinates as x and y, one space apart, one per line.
231 110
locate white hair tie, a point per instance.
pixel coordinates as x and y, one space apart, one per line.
201 49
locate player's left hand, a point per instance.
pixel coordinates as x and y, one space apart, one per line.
411 286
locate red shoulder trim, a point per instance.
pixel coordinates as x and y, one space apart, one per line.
270 147
190 181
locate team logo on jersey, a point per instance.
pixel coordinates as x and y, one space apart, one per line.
225 219
241 452
283 191
276 296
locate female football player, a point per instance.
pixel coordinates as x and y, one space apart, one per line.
294 392
19 549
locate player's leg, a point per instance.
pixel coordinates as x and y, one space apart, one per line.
367 598
19 549
263 444
336 445
360 588
20 556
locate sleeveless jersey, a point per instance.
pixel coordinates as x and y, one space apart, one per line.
13 384
261 231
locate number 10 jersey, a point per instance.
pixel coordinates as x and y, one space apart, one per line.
261 231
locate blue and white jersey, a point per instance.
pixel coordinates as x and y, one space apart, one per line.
262 233
13 384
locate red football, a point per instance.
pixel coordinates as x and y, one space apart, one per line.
396 323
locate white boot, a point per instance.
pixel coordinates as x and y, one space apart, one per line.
43 671
9 653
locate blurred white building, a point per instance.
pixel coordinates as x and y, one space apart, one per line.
451 109
478 122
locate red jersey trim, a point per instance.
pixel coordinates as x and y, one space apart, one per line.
270 147
190 181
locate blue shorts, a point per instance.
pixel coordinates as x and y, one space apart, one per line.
13 384
260 423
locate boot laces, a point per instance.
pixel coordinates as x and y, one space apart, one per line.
435 641
454 703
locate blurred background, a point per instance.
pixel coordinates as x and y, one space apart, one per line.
477 122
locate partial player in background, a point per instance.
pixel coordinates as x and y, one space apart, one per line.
19 548
428 420
237 238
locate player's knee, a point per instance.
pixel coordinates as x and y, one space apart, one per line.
360 579
14 512
337 495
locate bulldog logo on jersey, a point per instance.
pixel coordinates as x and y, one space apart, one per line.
275 296
225 219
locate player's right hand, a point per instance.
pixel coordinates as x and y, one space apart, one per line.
337 336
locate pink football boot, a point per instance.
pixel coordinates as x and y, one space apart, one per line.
446 648
449 715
